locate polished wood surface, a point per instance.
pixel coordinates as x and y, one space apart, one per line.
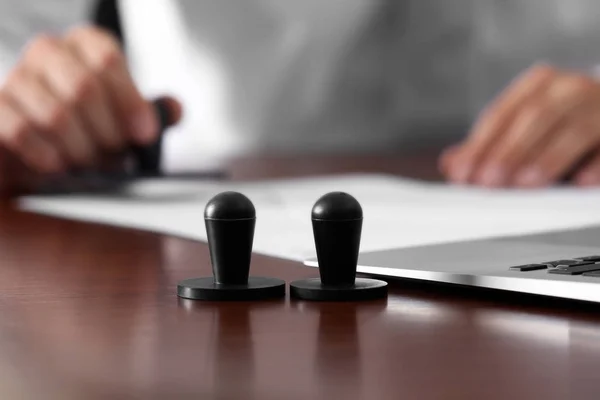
90 312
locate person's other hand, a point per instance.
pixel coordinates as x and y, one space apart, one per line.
540 129
69 101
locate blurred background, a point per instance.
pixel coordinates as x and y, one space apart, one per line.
321 75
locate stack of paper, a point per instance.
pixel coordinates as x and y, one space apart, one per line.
398 212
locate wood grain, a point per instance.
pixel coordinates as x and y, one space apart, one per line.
90 312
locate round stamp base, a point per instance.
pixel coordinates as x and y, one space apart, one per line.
363 289
257 288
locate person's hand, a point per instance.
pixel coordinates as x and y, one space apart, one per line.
69 101
542 128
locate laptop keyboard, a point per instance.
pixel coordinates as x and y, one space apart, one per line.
585 266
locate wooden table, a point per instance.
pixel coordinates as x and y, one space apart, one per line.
90 312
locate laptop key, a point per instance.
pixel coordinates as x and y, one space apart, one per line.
575 269
564 266
595 274
589 258
528 267
554 264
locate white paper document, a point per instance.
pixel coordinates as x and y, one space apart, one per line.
397 212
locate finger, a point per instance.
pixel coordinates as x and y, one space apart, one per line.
77 87
102 54
588 172
16 135
572 142
589 175
175 109
533 125
497 118
49 116
96 110
446 158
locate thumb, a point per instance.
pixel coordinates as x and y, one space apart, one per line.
169 111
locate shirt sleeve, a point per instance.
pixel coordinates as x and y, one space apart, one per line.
23 20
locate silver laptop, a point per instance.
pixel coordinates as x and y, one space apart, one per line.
563 264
